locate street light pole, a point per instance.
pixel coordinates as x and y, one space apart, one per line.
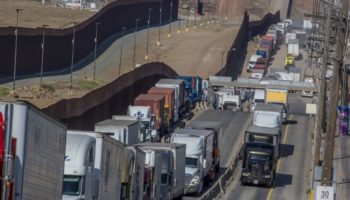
135 34
188 15
171 17
195 17
42 55
222 61
121 50
160 22
148 25
95 52
72 61
178 25
15 57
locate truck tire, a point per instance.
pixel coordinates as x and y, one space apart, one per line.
242 183
217 168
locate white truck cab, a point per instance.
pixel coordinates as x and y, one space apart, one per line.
143 113
199 166
253 61
78 168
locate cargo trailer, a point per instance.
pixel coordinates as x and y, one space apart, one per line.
33 160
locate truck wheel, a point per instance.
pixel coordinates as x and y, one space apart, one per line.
242 183
217 168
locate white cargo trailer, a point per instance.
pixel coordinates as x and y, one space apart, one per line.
39 151
268 119
107 169
176 175
293 48
199 157
153 173
125 131
133 173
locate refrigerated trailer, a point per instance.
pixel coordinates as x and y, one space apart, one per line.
132 173
125 131
35 169
103 177
176 173
200 157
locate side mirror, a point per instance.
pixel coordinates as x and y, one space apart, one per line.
204 163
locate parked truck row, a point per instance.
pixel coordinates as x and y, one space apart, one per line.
120 159
165 104
270 42
101 165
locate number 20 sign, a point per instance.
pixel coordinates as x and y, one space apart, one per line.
324 193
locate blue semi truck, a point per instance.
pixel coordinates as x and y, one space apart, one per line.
193 89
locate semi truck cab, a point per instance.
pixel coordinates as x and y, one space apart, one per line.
79 164
258 164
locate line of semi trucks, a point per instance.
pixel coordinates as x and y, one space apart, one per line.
122 158
261 141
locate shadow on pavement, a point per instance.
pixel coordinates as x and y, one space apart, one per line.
282 180
291 122
286 150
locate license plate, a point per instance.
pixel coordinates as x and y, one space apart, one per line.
255 182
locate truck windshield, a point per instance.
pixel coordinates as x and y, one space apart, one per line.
144 124
260 138
259 100
258 156
164 179
191 162
252 62
71 185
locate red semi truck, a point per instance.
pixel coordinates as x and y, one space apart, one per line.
169 94
156 102
267 42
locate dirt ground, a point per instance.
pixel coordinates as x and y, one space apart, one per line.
231 8
299 7
34 14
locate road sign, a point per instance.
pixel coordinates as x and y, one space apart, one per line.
324 193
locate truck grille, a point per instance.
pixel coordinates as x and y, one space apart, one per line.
188 178
257 170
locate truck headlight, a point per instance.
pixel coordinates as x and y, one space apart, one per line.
196 180
245 173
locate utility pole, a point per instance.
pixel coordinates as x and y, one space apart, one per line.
121 51
148 25
135 34
95 51
42 55
322 87
327 168
15 57
72 61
